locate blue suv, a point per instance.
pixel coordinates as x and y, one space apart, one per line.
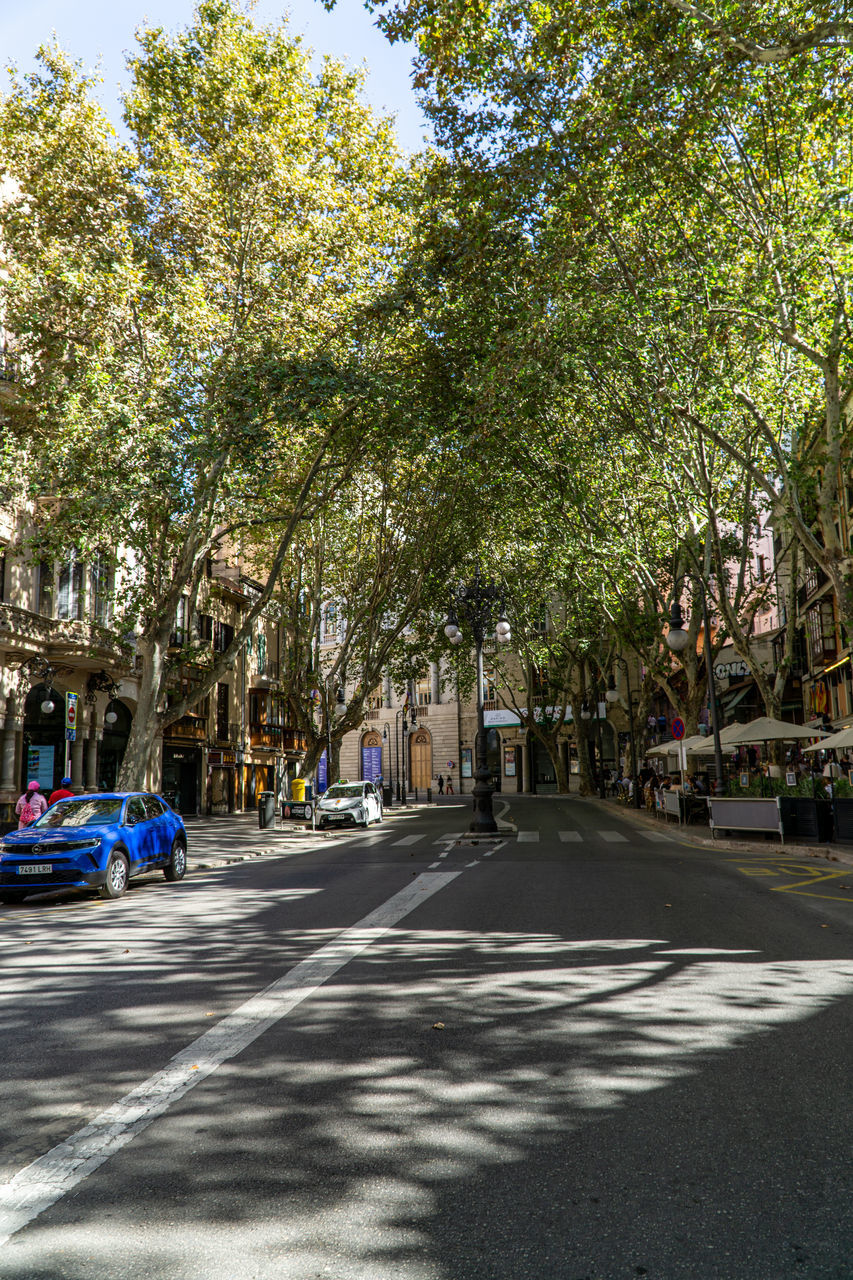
93 841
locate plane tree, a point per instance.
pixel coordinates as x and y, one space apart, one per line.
193 309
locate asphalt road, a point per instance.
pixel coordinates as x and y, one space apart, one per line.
588 1050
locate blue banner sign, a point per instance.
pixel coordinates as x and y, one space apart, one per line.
371 763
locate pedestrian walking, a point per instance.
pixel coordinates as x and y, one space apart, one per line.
31 805
449 786
440 785
62 792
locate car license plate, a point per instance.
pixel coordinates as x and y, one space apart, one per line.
36 869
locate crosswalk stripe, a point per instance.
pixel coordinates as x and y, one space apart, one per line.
528 837
409 840
571 837
613 837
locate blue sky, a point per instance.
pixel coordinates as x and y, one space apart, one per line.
93 29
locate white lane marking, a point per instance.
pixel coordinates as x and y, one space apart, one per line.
613 837
432 866
449 839
39 1185
528 837
409 839
472 864
488 853
571 837
444 855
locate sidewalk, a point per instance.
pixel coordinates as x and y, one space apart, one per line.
701 835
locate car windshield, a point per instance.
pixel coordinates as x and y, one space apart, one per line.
350 792
80 813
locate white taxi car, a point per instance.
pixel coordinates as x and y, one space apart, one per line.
345 802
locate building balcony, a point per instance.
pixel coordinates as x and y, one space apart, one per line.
273 737
188 728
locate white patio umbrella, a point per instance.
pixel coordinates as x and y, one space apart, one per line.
836 741
707 747
768 729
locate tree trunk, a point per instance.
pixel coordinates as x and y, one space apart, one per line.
142 763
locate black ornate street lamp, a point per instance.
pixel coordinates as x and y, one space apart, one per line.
612 695
387 738
409 718
478 604
678 639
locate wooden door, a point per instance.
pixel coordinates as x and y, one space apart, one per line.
420 757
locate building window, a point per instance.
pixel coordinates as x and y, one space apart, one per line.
45 588
102 580
761 569
223 636
331 622
423 692
69 600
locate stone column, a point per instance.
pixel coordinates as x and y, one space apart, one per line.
95 736
77 763
387 692
12 725
435 683
525 762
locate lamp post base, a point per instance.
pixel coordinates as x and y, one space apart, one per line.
483 822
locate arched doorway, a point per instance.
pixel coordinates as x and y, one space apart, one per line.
44 738
371 756
113 745
420 760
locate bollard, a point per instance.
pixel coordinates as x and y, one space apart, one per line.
429 795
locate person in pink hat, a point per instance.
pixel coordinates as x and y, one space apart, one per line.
31 805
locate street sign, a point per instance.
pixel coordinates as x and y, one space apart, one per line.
678 728
70 716
298 810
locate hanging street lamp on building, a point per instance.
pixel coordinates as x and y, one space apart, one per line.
478 605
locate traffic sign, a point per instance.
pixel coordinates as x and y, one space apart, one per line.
678 728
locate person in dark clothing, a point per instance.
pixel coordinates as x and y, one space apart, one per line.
440 785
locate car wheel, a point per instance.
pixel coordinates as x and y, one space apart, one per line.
10 896
176 867
118 874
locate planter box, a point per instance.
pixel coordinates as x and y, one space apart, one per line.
843 814
804 818
749 813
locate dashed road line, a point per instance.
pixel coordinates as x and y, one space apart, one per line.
38 1186
407 840
528 837
571 837
613 837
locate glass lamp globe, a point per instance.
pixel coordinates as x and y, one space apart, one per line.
110 717
451 631
677 639
612 695
48 706
503 630
457 638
